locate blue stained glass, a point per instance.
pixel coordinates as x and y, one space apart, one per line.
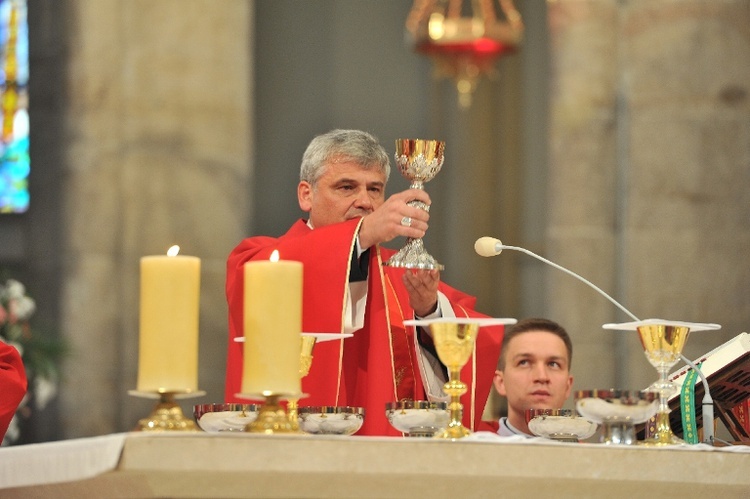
15 164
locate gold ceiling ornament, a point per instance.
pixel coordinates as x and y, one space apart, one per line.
464 41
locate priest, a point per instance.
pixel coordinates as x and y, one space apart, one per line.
347 289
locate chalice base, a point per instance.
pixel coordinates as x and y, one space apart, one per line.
663 435
413 256
453 431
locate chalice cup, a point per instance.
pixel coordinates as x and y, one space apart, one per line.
454 342
419 161
663 344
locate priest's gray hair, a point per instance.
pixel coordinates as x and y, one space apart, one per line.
343 146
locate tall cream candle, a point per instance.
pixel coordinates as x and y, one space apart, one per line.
273 323
168 348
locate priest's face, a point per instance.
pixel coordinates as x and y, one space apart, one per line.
536 373
346 190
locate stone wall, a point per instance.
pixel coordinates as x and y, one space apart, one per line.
649 174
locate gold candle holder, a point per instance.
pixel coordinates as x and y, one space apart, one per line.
167 415
273 418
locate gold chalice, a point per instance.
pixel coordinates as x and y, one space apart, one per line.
663 342
454 343
663 345
419 161
454 339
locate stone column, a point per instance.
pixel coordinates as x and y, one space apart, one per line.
159 153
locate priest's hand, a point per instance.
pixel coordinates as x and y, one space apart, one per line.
394 218
422 286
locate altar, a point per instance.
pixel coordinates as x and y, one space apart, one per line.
196 464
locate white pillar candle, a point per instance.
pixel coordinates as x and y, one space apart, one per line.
169 309
272 323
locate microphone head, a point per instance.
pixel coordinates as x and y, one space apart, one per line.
488 246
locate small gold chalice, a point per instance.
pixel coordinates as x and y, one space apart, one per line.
454 340
662 343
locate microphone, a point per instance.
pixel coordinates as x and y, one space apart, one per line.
490 246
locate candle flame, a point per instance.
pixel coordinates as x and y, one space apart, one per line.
173 250
274 256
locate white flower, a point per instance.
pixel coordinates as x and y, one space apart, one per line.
44 391
14 289
25 308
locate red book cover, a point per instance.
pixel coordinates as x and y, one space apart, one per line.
742 411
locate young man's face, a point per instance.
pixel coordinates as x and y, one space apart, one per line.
536 374
344 191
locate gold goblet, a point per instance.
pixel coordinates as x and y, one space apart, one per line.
663 345
454 339
419 161
454 343
663 342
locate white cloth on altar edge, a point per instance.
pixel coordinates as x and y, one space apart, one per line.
59 461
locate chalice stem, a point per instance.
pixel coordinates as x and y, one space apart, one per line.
455 388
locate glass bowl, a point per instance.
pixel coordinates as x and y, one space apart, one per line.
330 420
618 411
417 417
603 406
225 417
559 424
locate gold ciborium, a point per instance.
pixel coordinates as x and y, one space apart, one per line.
662 343
419 161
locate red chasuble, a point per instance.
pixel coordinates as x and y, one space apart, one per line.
379 363
12 384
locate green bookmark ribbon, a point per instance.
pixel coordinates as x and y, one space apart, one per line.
687 407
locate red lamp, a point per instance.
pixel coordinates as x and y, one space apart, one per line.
463 42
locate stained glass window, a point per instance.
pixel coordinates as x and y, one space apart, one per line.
14 105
